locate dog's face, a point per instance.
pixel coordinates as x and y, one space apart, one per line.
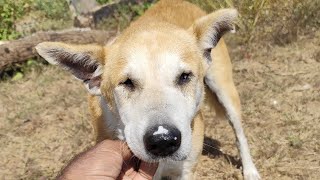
152 78
156 89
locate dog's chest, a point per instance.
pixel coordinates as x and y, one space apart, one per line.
169 170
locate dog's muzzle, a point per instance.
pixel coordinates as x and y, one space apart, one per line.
162 140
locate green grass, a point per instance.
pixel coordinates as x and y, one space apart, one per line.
104 1
10 11
57 9
13 11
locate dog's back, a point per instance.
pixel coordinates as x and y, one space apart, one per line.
177 12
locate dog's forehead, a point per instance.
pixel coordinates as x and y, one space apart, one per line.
158 51
145 62
157 41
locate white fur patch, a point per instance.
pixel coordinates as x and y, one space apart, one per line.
138 63
161 130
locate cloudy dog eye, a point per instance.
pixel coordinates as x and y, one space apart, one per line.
184 78
128 84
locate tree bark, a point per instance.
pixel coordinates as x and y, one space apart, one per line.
23 49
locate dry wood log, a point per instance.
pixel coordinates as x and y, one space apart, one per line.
23 49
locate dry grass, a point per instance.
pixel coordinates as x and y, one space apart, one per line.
44 122
270 21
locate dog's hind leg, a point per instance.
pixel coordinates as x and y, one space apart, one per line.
219 80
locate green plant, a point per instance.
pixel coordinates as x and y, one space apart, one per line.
18 70
57 9
295 141
13 12
10 11
103 1
139 9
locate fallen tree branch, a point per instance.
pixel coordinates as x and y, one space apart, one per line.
23 49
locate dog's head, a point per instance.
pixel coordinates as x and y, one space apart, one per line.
152 77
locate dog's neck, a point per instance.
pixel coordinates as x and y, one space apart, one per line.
113 124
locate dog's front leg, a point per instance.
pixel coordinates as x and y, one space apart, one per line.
221 83
227 95
232 109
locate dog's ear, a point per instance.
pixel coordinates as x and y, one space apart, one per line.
85 62
210 28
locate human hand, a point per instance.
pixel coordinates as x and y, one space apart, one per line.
108 160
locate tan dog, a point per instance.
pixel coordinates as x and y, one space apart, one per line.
147 87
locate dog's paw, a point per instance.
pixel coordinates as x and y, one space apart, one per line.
251 174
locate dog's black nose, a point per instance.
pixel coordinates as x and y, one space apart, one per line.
162 140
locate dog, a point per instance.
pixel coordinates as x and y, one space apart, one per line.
147 87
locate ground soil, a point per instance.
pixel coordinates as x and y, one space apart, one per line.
44 117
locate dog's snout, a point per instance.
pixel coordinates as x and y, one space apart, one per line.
162 140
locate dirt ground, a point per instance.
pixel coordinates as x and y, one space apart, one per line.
44 117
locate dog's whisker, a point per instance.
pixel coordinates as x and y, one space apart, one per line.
212 147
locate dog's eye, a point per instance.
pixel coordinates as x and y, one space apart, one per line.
184 78
128 83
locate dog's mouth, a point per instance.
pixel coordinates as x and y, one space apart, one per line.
173 158
170 158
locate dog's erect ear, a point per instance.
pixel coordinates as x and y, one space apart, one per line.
85 62
210 28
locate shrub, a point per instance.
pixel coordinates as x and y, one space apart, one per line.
10 11
57 9
103 1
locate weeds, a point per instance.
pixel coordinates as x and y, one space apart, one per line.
306 12
270 20
18 70
249 11
295 141
53 9
10 11
103 1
